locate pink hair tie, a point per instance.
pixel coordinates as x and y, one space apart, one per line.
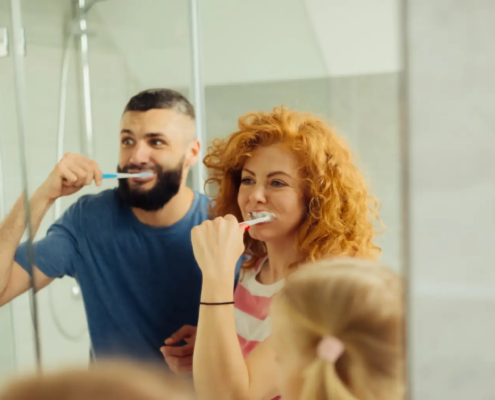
330 349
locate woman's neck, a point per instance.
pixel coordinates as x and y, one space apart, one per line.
281 254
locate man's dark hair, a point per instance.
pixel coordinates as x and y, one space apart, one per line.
166 99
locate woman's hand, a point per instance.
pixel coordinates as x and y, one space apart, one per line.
217 246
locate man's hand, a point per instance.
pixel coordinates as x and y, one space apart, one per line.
71 174
179 359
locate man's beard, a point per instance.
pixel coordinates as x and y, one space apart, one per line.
166 187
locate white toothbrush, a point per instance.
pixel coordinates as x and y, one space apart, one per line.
265 216
141 175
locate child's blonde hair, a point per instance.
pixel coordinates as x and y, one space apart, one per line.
361 304
108 380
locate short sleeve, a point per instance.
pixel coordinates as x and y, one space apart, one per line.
55 254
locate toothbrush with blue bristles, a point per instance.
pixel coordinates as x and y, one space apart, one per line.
120 175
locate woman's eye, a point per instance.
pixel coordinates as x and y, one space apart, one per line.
246 181
278 183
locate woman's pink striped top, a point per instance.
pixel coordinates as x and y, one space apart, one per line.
252 305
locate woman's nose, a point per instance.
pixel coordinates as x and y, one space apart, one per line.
257 195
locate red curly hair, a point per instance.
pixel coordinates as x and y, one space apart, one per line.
340 212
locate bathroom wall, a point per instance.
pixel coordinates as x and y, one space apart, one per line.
452 144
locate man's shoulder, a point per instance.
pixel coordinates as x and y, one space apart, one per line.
200 207
203 200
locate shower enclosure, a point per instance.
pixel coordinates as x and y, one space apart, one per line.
76 63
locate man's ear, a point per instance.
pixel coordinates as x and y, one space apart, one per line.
193 153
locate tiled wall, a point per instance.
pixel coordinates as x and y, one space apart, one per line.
452 104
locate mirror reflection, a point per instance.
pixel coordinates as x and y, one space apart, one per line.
132 106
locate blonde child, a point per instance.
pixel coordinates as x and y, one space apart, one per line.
338 332
108 381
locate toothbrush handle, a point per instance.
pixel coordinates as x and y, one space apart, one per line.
106 176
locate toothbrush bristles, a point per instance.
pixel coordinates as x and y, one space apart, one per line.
259 217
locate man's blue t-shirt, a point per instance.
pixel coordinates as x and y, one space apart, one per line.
140 283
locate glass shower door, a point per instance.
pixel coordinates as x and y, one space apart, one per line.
84 60
7 344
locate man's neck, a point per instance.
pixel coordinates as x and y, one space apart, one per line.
172 212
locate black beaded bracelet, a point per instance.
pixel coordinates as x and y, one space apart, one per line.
216 304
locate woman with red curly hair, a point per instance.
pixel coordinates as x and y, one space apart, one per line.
294 166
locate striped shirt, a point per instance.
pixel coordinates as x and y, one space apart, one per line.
252 303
